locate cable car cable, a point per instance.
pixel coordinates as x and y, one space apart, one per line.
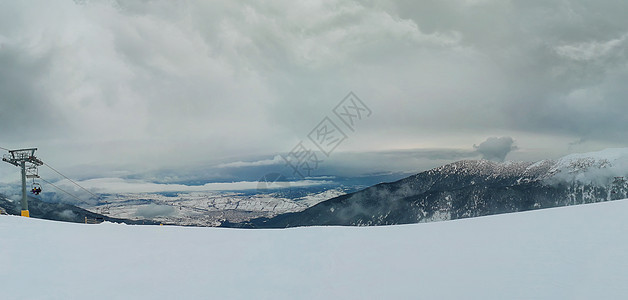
58 188
74 182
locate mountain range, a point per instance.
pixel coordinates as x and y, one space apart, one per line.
470 188
463 189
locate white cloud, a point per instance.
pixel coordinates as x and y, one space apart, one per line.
591 50
118 185
277 160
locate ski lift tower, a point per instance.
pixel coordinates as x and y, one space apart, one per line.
23 158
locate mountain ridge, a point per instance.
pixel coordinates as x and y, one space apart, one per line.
470 188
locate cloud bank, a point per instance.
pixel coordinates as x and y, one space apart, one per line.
118 185
144 85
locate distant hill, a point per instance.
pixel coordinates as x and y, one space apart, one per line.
60 212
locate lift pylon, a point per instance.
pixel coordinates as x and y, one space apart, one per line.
25 159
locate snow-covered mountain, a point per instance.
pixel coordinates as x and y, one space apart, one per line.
470 189
459 190
576 252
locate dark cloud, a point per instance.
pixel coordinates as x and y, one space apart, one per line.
496 149
26 112
563 62
161 84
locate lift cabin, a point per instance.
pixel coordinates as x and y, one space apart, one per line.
32 172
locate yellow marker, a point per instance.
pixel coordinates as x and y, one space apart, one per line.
25 214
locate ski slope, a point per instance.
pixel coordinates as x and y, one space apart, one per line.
576 252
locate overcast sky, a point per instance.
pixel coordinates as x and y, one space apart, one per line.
129 85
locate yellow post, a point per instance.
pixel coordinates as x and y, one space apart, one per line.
25 213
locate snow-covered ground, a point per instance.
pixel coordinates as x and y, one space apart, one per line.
576 252
205 208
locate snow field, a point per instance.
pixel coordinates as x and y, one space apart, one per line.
576 252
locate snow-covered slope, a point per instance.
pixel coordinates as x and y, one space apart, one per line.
598 168
577 252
